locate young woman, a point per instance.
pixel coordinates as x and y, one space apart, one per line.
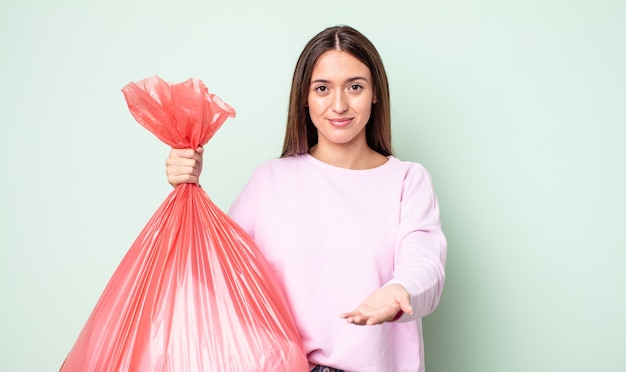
352 233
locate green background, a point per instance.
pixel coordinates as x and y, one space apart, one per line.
518 109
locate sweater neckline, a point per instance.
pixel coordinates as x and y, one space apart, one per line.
320 164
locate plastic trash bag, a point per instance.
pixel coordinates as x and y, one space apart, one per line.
192 293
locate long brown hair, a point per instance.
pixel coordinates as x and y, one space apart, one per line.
301 134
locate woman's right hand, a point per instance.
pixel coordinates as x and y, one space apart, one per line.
184 166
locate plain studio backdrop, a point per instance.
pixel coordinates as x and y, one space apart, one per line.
518 109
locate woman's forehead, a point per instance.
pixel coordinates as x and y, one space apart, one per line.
337 64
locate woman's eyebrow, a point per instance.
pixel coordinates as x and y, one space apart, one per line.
356 78
349 80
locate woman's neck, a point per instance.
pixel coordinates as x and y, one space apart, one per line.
351 156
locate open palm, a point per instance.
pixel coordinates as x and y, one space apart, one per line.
381 306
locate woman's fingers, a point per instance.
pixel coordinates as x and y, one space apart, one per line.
381 306
184 166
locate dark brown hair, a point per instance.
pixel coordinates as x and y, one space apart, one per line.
301 134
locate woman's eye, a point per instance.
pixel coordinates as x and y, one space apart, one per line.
321 89
356 87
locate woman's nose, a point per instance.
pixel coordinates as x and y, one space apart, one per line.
340 103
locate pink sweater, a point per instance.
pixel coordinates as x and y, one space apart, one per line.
333 236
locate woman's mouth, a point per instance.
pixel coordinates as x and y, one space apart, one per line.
340 122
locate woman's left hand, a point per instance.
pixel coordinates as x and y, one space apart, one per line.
381 306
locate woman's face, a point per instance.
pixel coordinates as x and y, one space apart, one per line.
340 99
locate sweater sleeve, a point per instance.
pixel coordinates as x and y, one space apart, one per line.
421 246
243 209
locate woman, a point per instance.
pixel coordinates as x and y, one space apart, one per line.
344 224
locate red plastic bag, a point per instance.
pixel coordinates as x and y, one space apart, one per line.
193 293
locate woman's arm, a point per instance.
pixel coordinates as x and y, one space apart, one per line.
419 264
421 250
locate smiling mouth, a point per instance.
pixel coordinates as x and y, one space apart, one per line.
340 122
